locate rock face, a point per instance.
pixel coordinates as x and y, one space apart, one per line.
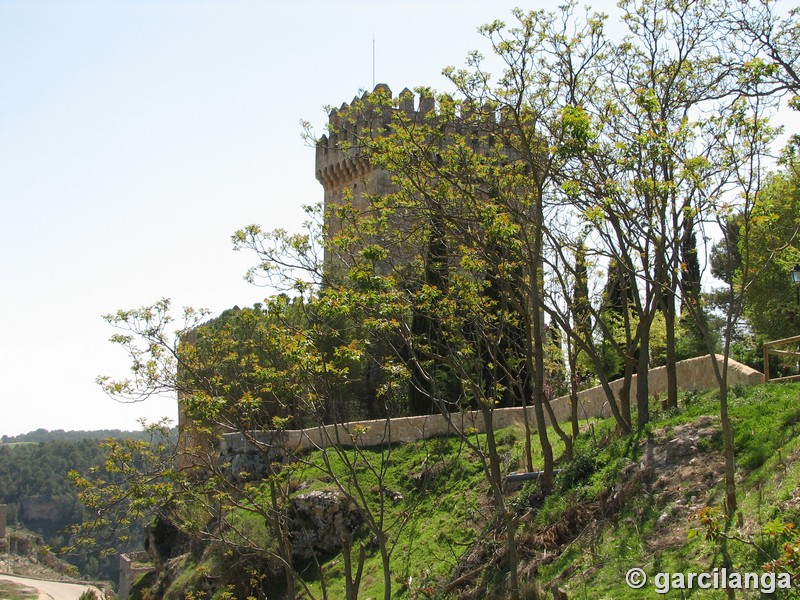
245 467
40 508
247 463
321 520
163 540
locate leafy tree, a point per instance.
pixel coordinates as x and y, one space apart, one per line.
289 362
744 136
771 302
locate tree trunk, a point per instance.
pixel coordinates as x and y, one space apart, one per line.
573 391
495 482
387 569
625 392
559 431
642 389
513 557
728 451
672 370
546 481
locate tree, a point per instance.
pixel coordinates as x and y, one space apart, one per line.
771 305
444 270
744 136
297 362
580 316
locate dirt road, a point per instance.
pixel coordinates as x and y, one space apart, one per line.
51 590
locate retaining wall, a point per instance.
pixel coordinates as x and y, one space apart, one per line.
130 566
3 517
693 374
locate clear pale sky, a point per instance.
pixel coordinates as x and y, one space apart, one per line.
137 136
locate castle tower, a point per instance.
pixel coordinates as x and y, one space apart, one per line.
348 178
345 174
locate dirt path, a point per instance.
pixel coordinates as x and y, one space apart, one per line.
52 590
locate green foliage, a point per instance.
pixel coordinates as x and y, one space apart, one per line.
772 310
133 482
772 420
584 463
35 476
689 342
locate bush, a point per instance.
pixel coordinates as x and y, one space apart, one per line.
581 467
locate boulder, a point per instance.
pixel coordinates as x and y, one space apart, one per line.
321 522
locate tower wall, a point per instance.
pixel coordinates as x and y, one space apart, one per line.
341 167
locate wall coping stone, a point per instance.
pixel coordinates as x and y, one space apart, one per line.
693 374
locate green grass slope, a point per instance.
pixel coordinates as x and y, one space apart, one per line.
650 501
673 522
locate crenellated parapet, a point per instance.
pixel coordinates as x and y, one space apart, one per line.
342 164
339 158
339 153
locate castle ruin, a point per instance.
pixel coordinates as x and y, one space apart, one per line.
3 530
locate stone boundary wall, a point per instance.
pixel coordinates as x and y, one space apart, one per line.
131 565
693 374
3 530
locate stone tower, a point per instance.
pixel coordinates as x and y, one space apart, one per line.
345 175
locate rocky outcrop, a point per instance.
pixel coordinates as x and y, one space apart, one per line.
249 462
321 521
40 508
163 540
247 466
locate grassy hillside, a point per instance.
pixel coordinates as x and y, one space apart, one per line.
669 524
641 501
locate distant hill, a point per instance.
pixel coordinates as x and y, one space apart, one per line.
34 485
59 435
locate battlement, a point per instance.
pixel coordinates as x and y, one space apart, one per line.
342 165
339 156
339 153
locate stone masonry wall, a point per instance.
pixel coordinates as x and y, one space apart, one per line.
3 518
130 566
693 374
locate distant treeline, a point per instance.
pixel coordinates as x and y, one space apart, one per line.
44 435
34 485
